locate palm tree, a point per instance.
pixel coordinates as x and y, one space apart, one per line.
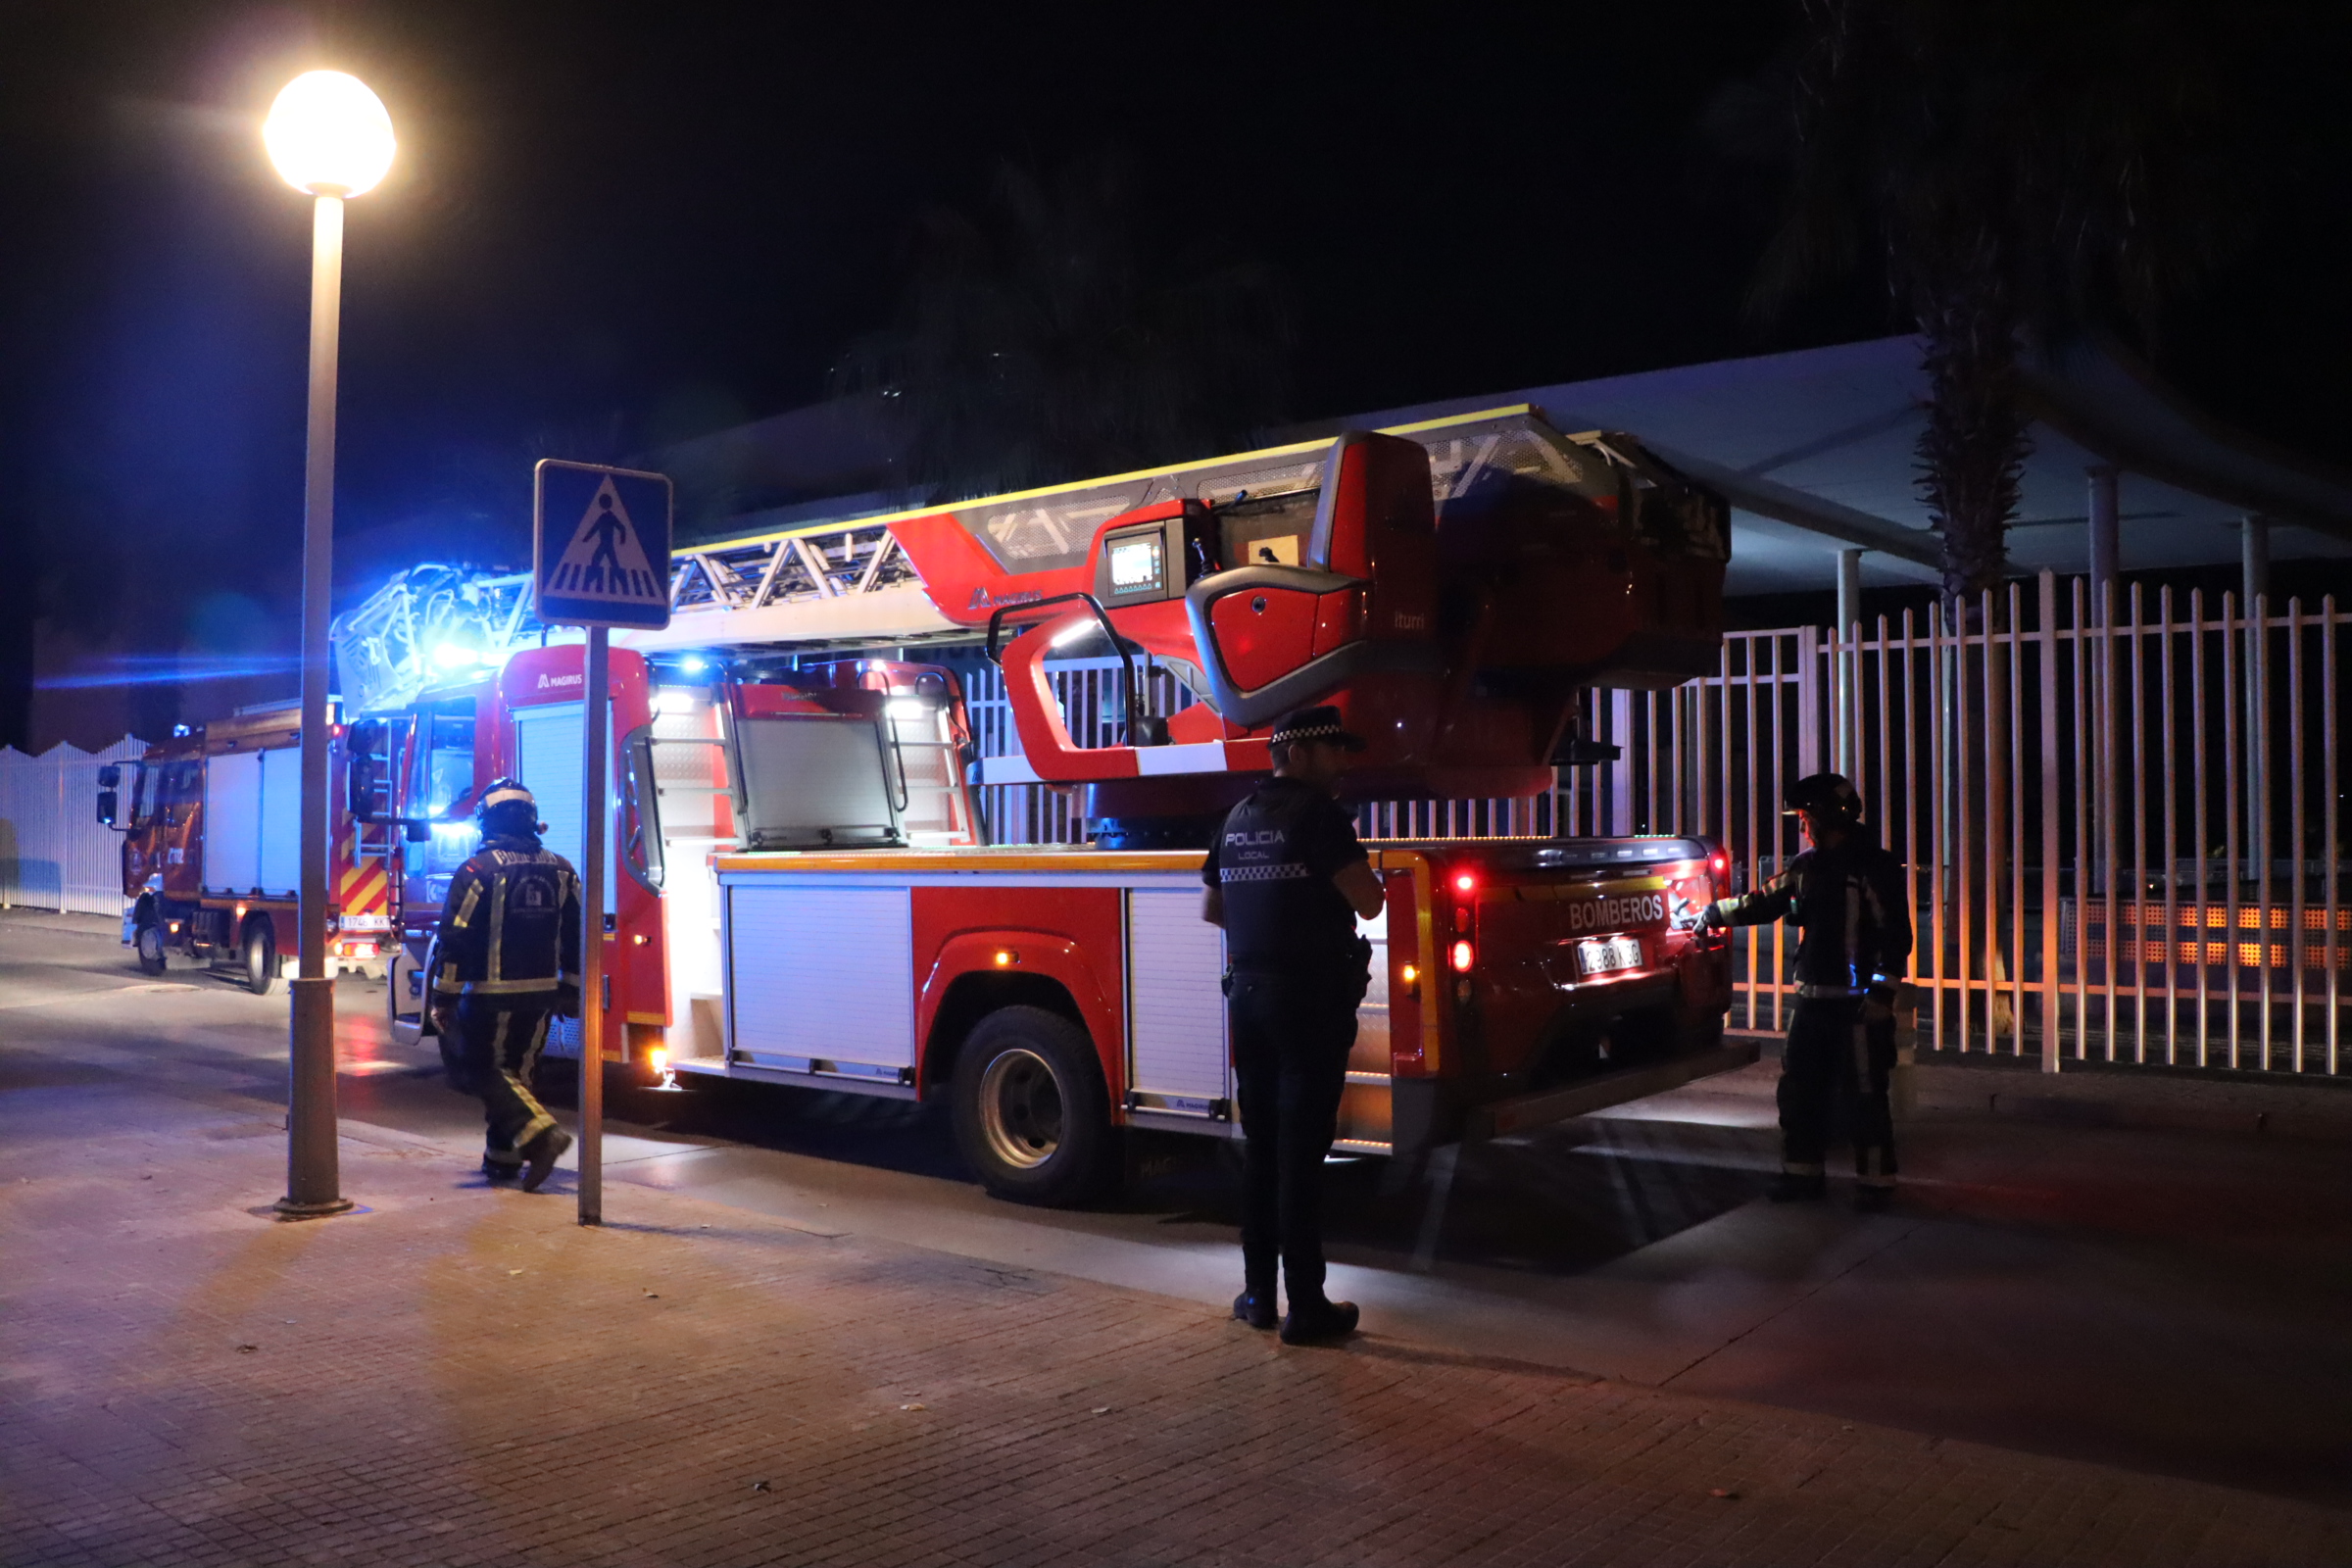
2018 171
1065 331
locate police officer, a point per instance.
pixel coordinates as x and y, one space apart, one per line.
509 960
1286 879
1846 897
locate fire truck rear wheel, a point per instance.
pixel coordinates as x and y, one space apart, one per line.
1032 1115
261 957
148 943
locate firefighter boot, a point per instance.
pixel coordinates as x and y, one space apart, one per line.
502 1166
1256 1308
1320 1322
543 1152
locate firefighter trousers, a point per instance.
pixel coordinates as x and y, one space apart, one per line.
1837 1059
1291 1039
501 1046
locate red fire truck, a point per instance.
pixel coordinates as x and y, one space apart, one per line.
210 847
803 895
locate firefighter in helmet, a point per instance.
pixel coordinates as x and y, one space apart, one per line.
1287 881
1846 897
509 960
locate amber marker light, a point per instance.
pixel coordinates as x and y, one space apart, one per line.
1004 958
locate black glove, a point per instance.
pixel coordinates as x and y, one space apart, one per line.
1711 918
1879 1006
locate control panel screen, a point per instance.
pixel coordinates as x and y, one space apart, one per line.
1136 566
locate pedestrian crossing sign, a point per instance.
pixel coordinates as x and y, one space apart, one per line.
599 551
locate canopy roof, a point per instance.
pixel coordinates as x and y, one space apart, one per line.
1815 450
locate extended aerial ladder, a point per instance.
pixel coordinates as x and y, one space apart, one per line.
1521 565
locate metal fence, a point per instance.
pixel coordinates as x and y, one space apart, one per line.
2122 827
1580 801
54 854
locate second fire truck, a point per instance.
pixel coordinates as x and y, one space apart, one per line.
211 838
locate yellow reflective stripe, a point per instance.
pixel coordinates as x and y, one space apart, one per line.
473 896
506 988
498 926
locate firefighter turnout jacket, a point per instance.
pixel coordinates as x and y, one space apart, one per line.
511 928
1848 904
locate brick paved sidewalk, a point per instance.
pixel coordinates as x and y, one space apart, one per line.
464 1376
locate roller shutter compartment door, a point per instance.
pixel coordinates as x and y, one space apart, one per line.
232 822
551 761
279 824
822 973
1175 1005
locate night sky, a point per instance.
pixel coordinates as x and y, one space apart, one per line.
615 225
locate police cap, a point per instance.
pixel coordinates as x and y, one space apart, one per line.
1316 724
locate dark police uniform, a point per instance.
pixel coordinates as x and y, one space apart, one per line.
509 960
1298 970
1854 927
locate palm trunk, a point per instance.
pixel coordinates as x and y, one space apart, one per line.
1970 454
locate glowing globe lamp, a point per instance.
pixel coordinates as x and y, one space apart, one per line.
328 136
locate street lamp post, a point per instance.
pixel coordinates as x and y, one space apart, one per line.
332 139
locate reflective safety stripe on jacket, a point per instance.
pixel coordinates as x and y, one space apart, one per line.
1852 912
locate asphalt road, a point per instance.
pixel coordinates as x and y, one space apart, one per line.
2169 1301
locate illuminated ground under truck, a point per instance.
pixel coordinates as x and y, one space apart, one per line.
803 898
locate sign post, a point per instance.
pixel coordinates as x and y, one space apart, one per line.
600 558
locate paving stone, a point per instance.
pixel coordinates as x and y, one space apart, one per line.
616 1401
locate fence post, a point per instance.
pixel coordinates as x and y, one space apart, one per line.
1810 656
9 771
2050 797
1621 771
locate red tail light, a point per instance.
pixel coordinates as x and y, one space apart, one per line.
1462 955
1465 883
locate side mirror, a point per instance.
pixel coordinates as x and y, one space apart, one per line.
416 832
365 738
110 777
364 783
108 802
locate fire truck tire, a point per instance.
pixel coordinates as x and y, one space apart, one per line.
260 948
148 943
1032 1115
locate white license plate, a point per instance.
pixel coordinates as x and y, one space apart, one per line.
1607 957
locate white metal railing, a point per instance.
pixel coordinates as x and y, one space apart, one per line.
2122 832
